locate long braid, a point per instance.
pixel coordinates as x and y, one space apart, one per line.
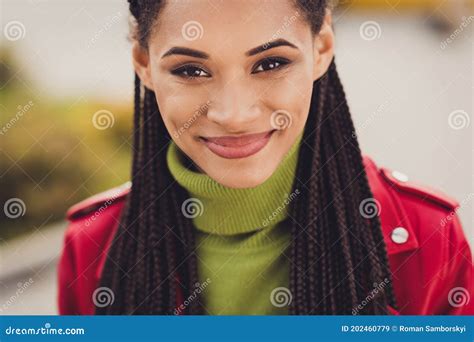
190 273
159 289
141 283
375 243
347 250
337 256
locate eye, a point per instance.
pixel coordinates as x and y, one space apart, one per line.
270 64
190 71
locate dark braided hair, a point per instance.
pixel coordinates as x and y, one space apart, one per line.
338 256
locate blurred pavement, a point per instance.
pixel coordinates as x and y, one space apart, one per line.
28 272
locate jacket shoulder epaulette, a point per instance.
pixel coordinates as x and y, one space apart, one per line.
95 202
408 211
401 182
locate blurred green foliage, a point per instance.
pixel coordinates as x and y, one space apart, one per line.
51 153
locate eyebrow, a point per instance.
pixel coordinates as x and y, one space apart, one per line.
270 45
178 50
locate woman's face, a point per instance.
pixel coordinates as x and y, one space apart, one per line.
233 82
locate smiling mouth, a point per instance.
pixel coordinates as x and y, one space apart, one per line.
232 147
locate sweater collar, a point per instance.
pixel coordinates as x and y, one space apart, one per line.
229 211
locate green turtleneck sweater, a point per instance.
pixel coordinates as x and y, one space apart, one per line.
243 237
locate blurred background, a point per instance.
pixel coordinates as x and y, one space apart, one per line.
66 88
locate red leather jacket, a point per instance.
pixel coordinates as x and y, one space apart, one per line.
428 254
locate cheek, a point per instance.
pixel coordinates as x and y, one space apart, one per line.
180 107
292 94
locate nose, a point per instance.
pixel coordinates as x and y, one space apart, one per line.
235 106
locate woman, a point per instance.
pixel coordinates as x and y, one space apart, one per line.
249 193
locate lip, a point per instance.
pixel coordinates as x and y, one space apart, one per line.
232 147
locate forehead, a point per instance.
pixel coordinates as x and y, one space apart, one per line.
240 24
